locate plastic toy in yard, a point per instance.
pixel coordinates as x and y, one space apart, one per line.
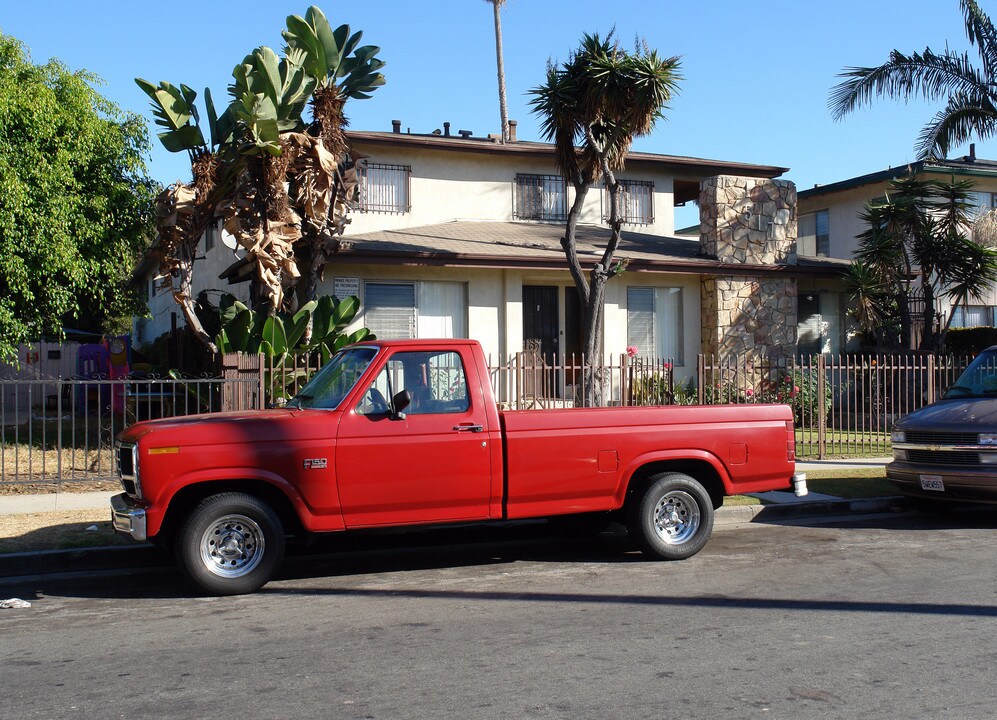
105 361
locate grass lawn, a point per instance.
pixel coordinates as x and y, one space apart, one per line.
866 482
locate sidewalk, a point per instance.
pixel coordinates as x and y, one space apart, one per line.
777 506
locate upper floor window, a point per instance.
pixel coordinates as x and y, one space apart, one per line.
814 238
384 188
636 202
541 197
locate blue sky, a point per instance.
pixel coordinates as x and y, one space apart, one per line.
755 87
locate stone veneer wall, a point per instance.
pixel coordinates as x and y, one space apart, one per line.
748 221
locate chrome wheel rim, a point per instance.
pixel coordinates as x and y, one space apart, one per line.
676 517
232 546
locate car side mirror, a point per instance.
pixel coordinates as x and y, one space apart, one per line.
400 401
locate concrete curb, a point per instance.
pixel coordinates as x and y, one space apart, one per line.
21 566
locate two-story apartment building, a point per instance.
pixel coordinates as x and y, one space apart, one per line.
830 223
459 236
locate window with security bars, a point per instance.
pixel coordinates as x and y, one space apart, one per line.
541 197
636 200
384 188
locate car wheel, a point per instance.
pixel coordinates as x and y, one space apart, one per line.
672 518
230 544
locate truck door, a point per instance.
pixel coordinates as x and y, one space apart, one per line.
431 466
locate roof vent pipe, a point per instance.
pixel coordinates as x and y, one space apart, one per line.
512 130
465 133
972 152
396 126
446 129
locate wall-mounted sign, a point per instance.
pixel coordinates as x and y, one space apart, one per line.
343 287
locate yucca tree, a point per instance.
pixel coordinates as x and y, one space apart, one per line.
970 92
280 184
592 107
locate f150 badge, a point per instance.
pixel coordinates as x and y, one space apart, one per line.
316 463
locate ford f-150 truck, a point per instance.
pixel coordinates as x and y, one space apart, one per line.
407 432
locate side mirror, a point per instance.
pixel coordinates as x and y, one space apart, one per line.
400 401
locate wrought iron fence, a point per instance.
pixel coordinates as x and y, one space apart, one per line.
62 430
56 430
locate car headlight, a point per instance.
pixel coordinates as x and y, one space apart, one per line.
899 455
988 439
988 458
898 436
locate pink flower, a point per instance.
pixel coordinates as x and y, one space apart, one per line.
749 392
668 366
632 350
796 389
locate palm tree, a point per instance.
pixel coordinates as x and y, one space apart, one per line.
600 100
917 238
971 92
500 62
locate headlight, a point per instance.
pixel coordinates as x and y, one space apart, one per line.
900 455
988 438
898 436
988 458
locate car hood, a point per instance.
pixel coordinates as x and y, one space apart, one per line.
955 415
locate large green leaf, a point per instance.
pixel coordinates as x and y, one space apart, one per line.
344 312
240 330
274 336
323 323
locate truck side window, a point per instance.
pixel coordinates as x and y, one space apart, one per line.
436 380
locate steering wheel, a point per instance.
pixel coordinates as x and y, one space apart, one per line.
377 402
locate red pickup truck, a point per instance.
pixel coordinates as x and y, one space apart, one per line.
407 432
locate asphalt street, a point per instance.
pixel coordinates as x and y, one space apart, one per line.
888 616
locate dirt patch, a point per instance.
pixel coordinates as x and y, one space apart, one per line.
73 486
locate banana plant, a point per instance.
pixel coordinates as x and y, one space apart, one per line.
280 337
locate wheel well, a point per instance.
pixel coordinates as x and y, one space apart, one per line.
699 470
188 497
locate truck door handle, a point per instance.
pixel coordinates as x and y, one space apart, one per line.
468 428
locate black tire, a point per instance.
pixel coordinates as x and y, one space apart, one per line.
672 518
230 544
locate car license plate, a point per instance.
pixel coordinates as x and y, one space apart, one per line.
932 482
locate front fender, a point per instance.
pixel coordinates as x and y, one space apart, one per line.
158 505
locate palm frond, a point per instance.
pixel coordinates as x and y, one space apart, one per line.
981 33
964 117
927 75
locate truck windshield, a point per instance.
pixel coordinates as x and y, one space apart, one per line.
978 380
335 380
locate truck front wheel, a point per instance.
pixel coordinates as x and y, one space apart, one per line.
230 544
673 518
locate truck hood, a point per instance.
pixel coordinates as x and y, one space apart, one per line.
955 415
212 428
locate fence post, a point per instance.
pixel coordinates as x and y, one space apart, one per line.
821 406
931 379
700 377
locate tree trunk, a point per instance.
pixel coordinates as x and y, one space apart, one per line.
503 109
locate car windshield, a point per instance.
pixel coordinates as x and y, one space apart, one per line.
335 380
978 380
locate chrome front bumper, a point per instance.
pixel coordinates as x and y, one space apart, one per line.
127 518
800 484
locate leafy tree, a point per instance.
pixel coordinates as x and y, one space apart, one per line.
592 107
280 184
75 201
970 91
917 238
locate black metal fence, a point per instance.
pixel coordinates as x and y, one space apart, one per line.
62 430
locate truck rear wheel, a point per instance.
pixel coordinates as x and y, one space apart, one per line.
230 544
673 518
